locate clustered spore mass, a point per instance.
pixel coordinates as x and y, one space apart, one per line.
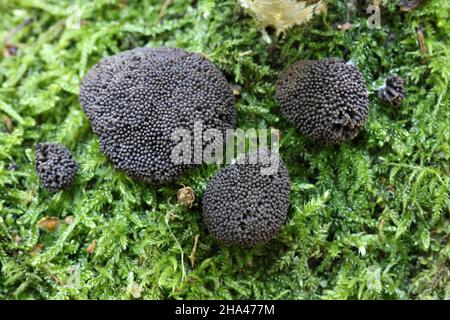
244 207
137 98
55 166
393 92
325 99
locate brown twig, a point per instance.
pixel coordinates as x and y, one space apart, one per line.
422 46
164 8
10 48
17 29
191 257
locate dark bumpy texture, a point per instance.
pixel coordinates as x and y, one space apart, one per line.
136 99
243 207
393 92
326 99
55 166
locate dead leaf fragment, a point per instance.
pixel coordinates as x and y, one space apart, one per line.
90 249
236 89
68 220
16 238
344 27
186 196
48 223
8 122
9 50
136 290
36 249
282 14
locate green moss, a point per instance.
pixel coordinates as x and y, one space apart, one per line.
369 218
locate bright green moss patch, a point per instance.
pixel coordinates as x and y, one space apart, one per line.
368 219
